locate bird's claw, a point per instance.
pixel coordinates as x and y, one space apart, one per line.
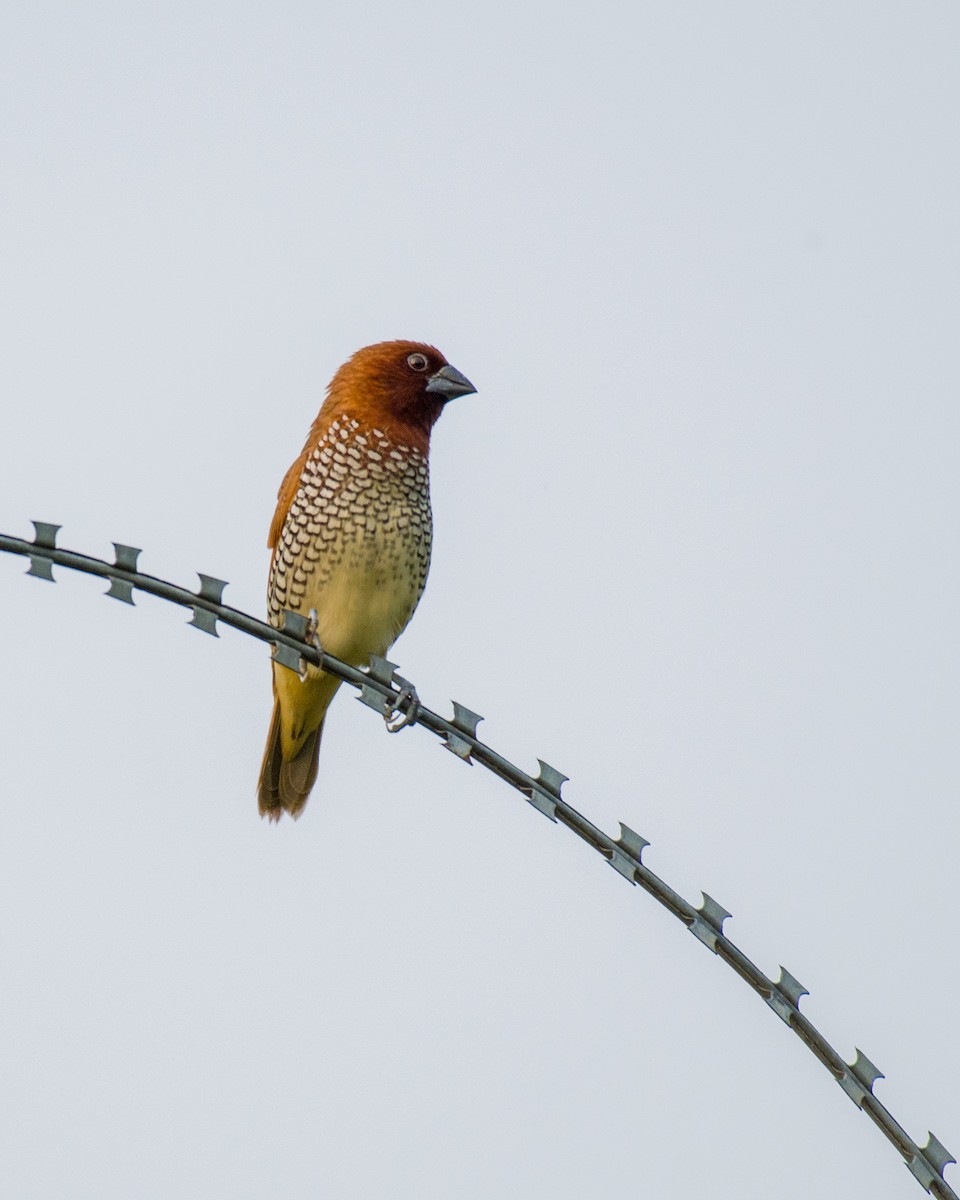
311 634
407 705
312 638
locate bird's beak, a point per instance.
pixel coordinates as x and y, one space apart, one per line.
449 383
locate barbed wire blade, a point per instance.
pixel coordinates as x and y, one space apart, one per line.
936 1154
546 789
304 629
785 999
708 922
466 721
713 913
287 656
626 859
865 1071
211 590
859 1077
550 778
381 671
792 988
125 559
632 842
296 624
45 538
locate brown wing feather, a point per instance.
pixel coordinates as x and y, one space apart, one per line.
288 489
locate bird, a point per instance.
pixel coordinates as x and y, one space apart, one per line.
351 540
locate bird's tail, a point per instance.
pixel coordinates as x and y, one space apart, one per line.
285 783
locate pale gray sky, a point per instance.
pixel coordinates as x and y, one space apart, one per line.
696 546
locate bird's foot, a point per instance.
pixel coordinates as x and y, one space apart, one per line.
406 705
310 636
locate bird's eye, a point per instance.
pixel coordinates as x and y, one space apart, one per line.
417 362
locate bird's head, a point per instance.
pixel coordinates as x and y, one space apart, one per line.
400 385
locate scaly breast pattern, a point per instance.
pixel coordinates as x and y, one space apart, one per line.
355 544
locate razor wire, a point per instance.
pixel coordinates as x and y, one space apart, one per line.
383 690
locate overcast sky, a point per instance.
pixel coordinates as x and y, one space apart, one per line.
696 545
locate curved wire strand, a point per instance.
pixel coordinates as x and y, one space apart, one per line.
383 690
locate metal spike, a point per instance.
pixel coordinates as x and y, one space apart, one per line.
46 534
305 630
790 987
294 623
623 866
126 557
41 568
204 620
713 913
125 560
704 933
708 922
382 671
936 1154
542 803
546 791
624 860
550 778
287 656
853 1087
865 1071
859 1077
210 588
632 842
466 720
46 539
785 997
120 589
919 1168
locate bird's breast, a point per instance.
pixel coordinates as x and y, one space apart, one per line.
355 544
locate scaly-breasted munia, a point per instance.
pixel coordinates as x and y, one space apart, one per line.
351 539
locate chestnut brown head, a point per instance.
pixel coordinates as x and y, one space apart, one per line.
402 386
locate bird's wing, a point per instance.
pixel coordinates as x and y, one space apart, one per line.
288 489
